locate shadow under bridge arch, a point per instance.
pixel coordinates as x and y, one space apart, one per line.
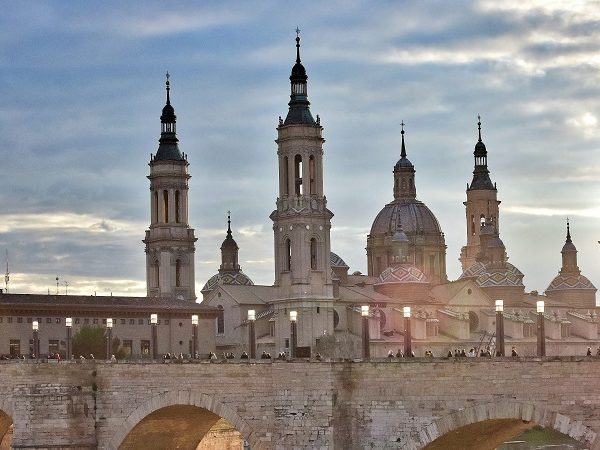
179 419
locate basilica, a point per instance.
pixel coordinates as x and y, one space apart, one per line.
406 260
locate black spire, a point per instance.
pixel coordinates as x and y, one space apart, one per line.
299 112
168 149
403 161
481 174
568 232
229 224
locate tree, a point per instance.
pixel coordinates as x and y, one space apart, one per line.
92 340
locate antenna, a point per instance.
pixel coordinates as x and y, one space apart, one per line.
7 274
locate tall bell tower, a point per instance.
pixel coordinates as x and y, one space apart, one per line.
481 205
169 240
302 222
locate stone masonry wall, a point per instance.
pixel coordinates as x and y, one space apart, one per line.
397 404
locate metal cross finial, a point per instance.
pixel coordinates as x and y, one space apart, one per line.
479 126
168 76
297 32
402 124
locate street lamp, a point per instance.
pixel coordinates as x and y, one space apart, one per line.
252 333
293 333
154 322
541 332
109 325
366 349
499 328
36 339
194 335
69 324
407 336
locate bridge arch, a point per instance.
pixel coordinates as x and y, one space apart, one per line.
184 398
6 422
501 410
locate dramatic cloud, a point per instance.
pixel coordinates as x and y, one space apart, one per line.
82 89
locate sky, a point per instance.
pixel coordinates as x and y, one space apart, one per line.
82 89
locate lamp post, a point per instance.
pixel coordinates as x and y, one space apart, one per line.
194 335
69 324
36 339
366 349
109 325
541 332
252 333
407 336
154 322
293 333
499 328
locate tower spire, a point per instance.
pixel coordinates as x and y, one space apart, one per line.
479 126
299 112
403 151
167 83
297 45
568 232
229 224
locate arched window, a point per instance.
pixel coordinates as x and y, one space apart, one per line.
288 255
178 273
166 205
220 320
298 174
473 225
286 176
312 174
482 220
177 218
155 207
313 254
157 273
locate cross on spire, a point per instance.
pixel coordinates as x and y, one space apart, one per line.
479 126
228 223
403 150
568 231
297 45
168 88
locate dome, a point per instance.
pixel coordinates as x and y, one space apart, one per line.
496 242
168 114
568 247
480 149
229 242
564 282
415 217
298 72
231 278
403 162
336 261
401 273
486 276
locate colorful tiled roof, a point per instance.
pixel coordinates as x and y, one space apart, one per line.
564 282
486 276
235 278
402 273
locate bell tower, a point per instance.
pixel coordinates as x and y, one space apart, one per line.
481 205
302 222
169 240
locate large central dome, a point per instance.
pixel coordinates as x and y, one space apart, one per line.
423 242
414 216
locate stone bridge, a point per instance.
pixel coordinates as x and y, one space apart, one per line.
397 404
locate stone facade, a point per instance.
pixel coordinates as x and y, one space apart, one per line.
403 404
